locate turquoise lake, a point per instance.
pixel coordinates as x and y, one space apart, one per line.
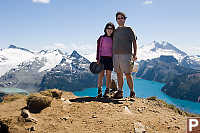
144 89
12 90
4 91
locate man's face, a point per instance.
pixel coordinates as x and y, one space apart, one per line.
120 20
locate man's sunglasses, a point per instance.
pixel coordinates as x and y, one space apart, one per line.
120 18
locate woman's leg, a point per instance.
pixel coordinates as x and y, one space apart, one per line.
100 79
108 78
108 84
100 82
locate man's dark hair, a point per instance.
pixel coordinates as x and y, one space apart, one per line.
107 25
121 13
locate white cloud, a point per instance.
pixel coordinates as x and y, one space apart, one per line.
54 46
148 2
191 50
41 1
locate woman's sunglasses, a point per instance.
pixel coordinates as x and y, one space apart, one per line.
109 28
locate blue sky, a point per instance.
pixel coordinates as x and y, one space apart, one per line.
35 24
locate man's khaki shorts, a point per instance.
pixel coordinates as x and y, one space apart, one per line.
122 63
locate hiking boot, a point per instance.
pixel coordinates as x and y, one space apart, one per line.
107 92
118 95
132 94
99 93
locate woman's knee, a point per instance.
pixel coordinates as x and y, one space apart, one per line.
108 74
101 74
128 75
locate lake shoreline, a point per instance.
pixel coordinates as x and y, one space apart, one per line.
146 88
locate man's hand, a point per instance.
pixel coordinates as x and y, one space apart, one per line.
134 58
98 62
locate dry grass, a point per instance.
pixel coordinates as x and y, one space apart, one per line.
152 98
55 93
12 97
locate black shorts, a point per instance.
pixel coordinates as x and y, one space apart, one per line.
107 62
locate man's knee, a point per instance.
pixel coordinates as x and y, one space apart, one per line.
120 75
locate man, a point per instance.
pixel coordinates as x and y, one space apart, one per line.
123 40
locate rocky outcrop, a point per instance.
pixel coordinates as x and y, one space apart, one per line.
38 102
86 114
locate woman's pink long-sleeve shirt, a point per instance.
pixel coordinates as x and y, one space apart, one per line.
104 47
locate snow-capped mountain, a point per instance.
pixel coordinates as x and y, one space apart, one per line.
191 62
45 69
22 68
15 47
13 56
156 49
70 75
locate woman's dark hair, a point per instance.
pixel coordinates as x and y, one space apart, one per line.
107 25
121 13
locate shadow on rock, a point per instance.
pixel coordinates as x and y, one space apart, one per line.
103 100
3 128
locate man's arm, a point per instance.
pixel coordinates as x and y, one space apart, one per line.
133 38
135 49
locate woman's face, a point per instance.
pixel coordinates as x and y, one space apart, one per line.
109 30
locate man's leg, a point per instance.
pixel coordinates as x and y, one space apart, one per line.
120 80
130 85
116 64
129 81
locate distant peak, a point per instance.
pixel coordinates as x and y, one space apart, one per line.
75 54
12 46
154 41
155 45
15 47
44 51
161 43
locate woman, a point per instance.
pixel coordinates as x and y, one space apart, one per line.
104 56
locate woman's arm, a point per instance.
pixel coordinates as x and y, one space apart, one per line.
98 48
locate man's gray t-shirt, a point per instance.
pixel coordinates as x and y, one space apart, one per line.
122 40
